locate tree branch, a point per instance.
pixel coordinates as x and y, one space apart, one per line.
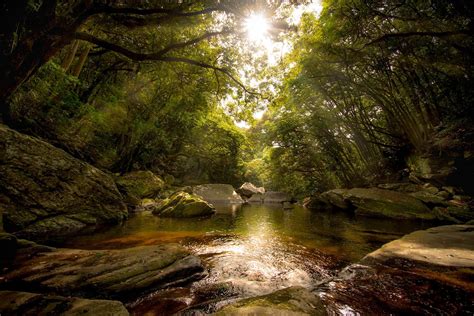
160 55
208 66
146 56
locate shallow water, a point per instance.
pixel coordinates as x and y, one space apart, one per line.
250 250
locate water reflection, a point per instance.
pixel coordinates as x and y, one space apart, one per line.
254 249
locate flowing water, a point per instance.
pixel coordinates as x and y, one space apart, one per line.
250 250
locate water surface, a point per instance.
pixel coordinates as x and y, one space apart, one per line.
250 250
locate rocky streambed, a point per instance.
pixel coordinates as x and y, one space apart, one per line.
245 260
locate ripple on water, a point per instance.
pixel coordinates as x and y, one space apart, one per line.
256 265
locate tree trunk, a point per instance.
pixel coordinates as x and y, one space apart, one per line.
70 56
45 34
82 60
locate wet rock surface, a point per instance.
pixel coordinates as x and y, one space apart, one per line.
25 303
116 274
289 301
409 202
46 193
427 272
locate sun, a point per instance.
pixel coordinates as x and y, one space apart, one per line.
256 26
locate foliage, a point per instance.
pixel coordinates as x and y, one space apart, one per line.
371 81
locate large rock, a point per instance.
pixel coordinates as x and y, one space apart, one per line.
336 198
140 184
386 203
46 193
451 246
217 193
25 303
117 274
427 272
276 197
290 301
405 187
247 189
182 204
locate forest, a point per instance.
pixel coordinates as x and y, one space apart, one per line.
249 157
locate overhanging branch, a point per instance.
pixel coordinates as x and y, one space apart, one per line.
160 55
146 56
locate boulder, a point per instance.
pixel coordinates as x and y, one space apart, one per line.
316 202
429 198
46 193
247 189
276 197
182 204
336 198
427 272
404 187
449 246
257 198
140 184
290 301
117 274
386 203
217 193
25 303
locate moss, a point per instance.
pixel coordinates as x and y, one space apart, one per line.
289 301
140 184
385 203
182 204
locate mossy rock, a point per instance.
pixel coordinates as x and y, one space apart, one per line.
386 203
25 303
429 198
182 204
140 184
45 193
117 274
289 301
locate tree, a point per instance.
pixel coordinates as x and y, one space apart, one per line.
33 32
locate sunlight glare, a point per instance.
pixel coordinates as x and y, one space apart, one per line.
256 26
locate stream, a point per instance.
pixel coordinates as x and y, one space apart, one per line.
249 250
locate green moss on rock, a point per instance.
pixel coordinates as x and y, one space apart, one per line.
386 203
140 184
289 301
182 204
